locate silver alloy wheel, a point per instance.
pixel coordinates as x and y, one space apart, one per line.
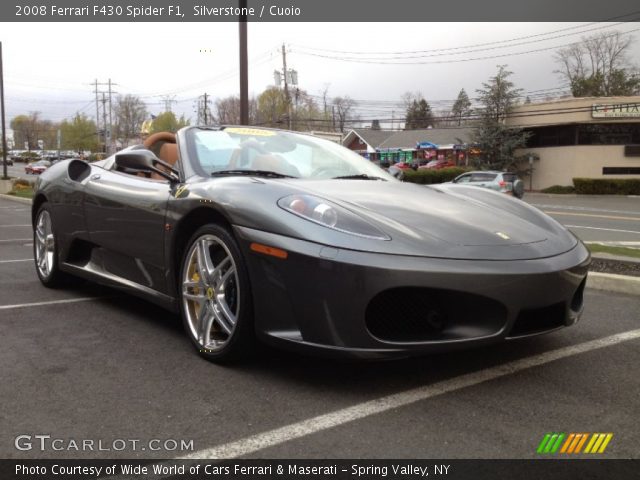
45 244
210 292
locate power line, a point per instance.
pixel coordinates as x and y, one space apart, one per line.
498 42
434 62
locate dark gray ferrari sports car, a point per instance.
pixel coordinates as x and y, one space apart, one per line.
254 233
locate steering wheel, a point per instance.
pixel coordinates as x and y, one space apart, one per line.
241 153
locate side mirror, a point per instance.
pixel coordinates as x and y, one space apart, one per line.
145 161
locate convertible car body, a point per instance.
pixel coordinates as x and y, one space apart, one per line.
257 233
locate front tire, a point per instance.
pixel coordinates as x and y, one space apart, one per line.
45 249
215 296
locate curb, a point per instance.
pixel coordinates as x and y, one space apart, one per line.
27 201
614 283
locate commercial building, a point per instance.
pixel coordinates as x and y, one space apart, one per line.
413 146
594 137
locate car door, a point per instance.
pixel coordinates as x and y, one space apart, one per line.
125 216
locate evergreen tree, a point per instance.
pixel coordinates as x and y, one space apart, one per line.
418 115
496 141
462 107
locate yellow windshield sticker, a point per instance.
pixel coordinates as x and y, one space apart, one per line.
254 132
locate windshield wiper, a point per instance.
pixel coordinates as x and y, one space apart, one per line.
249 172
359 176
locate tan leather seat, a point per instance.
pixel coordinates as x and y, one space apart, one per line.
163 144
169 153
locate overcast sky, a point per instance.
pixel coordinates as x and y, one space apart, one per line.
49 67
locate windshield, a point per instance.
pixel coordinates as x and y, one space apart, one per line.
237 149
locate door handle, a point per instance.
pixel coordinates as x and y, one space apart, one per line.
95 176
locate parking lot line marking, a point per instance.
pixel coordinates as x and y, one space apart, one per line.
25 225
14 261
609 217
605 229
317 424
576 208
51 302
16 240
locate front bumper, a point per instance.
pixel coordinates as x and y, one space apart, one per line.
340 302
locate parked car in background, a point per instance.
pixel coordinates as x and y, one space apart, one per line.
8 161
438 164
37 168
504 182
403 165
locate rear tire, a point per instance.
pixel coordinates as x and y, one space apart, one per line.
215 296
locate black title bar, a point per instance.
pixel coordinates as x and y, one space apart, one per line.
317 11
547 469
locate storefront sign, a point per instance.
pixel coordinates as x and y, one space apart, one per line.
616 110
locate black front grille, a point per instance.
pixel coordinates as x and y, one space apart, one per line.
538 320
412 314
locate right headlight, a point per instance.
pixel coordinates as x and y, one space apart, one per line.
328 214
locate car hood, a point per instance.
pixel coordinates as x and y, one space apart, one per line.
443 221
450 221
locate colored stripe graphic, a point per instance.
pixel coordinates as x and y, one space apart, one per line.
605 443
543 443
568 442
555 447
598 442
572 443
550 443
591 442
582 440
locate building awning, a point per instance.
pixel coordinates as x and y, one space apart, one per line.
426 145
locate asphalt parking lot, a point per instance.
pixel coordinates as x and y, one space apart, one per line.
594 218
92 363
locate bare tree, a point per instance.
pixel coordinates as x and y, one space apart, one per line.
343 108
228 110
130 112
599 66
325 99
28 129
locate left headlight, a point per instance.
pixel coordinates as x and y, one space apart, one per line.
328 214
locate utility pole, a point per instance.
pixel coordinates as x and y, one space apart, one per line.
286 84
107 130
4 131
244 65
104 120
111 143
97 108
168 100
203 110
